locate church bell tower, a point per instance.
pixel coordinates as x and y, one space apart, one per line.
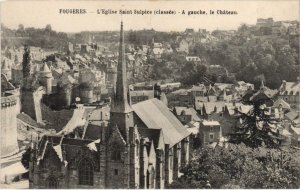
121 113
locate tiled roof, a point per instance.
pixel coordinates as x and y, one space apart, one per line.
156 115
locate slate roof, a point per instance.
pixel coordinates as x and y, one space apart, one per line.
28 120
210 106
263 92
292 115
55 140
156 115
296 130
5 84
188 111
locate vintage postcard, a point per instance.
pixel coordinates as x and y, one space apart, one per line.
150 94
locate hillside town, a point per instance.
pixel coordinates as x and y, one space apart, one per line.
136 109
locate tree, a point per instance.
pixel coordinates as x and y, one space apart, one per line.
238 166
257 126
48 27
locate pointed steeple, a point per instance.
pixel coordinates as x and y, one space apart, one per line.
120 100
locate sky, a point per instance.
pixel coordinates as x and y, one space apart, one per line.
40 13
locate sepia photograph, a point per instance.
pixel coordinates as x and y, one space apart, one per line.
141 94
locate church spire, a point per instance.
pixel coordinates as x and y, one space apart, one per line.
120 100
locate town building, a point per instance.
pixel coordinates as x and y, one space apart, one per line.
210 132
290 92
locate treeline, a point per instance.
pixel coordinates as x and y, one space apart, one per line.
40 37
272 60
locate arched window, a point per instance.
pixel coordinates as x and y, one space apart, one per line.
52 183
85 172
116 154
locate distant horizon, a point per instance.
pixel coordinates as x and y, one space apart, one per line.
28 13
147 29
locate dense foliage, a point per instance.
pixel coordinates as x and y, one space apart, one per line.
44 37
238 166
272 58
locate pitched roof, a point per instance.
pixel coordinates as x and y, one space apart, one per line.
283 103
5 84
188 111
263 93
156 115
200 87
28 120
292 115
296 130
210 106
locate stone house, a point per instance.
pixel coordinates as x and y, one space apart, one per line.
210 132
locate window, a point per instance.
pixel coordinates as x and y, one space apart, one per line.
116 154
52 183
211 136
116 172
85 172
211 128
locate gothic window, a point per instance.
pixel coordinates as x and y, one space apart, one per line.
116 172
137 144
85 172
116 154
52 183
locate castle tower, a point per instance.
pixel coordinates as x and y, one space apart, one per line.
9 111
45 77
31 95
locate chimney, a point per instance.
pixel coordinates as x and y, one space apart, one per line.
283 85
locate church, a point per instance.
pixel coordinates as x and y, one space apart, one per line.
143 146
